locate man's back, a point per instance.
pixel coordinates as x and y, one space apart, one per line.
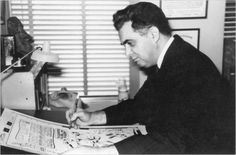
194 99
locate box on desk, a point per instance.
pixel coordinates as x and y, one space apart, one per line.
18 91
23 89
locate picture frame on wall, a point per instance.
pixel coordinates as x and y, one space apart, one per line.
185 9
190 35
157 2
8 50
3 12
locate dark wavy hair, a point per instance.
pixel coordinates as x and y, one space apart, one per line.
142 15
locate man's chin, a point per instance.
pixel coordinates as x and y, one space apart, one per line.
141 65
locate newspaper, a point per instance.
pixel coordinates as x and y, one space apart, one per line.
35 135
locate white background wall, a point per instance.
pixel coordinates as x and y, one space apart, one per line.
211 32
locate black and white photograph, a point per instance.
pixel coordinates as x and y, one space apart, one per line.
117 77
190 35
7 48
187 9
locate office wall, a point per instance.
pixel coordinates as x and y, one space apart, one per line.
4 5
211 36
211 32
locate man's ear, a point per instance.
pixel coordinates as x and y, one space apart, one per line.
155 33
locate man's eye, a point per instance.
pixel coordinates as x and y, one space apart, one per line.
130 44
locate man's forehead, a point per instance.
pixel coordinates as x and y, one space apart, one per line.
127 27
126 32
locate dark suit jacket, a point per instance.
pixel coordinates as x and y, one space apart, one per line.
181 105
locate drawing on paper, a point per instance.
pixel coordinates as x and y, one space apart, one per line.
35 135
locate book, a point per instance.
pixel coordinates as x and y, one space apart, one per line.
31 134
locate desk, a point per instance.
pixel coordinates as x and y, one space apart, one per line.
55 116
59 116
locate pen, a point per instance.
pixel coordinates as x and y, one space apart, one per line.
76 102
75 108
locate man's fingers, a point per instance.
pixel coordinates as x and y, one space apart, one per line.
75 116
68 115
78 118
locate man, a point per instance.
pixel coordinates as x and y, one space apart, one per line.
181 102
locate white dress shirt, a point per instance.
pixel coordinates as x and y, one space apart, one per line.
163 52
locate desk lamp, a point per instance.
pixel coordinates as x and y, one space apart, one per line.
38 54
11 94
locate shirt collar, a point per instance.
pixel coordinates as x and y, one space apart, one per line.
163 52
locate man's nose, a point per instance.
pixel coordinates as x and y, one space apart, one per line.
128 51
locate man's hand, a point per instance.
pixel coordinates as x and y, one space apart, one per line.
84 118
79 117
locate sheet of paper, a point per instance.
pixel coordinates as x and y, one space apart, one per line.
35 135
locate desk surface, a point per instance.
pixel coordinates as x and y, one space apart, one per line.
55 116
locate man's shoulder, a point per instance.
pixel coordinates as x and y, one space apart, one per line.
181 50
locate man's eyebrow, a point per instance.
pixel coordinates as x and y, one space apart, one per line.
124 42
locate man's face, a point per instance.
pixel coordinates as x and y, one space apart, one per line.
142 49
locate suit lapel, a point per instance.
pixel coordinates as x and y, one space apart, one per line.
172 51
